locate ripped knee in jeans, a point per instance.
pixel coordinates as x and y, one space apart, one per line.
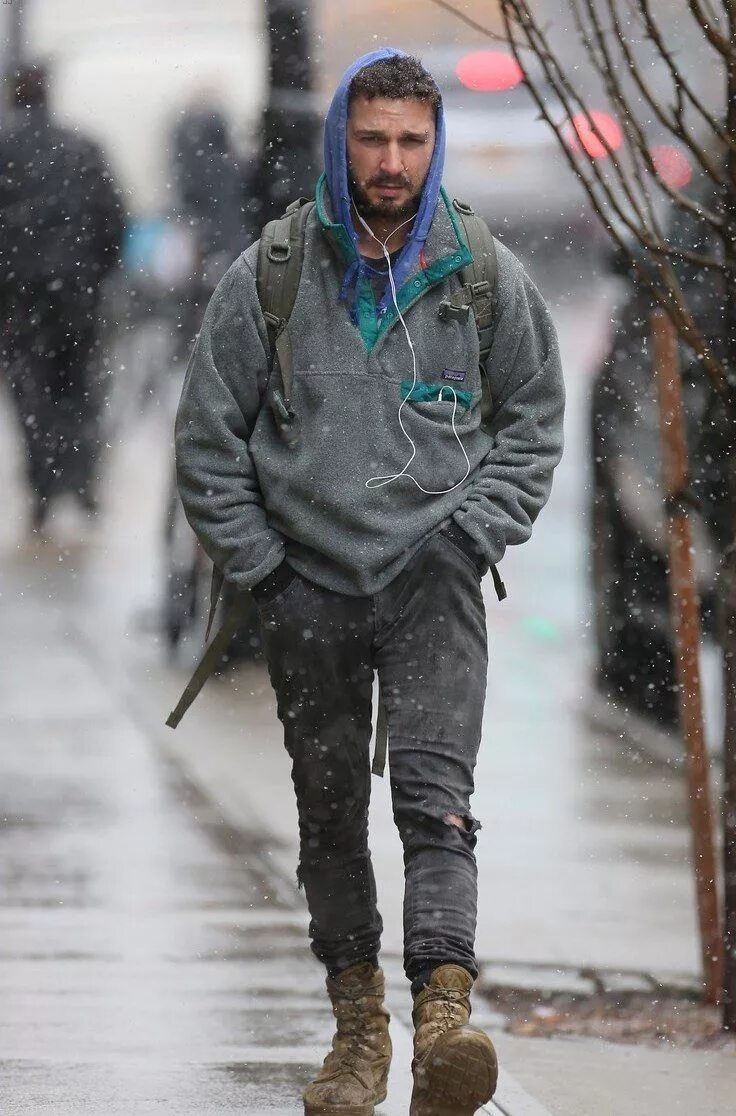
421 827
465 822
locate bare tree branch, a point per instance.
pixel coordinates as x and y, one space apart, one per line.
626 112
635 134
642 161
681 85
709 29
664 249
651 260
700 212
635 141
573 104
470 22
676 124
646 231
668 292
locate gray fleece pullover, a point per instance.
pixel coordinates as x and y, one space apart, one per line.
253 501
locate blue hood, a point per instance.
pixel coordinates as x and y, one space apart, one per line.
336 173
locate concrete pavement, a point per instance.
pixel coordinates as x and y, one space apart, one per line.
153 955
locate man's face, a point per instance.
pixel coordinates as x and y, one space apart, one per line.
390 146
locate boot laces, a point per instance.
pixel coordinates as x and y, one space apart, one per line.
349 1049
452 1006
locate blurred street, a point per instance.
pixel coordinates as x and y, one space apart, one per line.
154 941
154 949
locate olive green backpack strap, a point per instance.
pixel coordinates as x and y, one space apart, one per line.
279 269
212 656
479 280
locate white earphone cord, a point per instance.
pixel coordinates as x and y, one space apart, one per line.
379 482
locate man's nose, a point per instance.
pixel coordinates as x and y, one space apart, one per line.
392 162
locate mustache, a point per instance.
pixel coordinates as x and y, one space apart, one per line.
384 180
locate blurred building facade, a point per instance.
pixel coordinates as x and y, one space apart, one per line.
123 72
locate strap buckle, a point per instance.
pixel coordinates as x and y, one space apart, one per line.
498 584
285 418
279 252
293 206
283 411
448 312
462 207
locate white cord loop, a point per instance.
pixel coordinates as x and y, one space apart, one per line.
379 482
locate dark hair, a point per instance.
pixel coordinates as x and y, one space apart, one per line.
399 78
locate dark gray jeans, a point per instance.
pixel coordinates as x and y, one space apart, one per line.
425 634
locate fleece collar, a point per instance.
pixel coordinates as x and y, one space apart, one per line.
444 252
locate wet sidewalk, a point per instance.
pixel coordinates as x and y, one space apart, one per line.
149 958
152 959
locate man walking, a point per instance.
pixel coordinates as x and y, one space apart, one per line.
63 225
362 504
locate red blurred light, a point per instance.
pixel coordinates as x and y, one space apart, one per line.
589 131
672 166
489 71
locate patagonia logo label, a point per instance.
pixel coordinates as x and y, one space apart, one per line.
453 374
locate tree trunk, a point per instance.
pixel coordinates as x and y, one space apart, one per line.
685 609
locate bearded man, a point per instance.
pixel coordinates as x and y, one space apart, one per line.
364 540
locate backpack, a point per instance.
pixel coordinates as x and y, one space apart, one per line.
278 272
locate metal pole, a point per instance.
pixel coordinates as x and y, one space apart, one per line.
290 121
15 53
686 615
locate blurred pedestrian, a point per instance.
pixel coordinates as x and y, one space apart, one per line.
62 227
207 176
362 505
210 193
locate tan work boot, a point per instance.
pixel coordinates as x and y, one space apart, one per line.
454 1067
354 1074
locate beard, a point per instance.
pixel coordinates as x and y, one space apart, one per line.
387 209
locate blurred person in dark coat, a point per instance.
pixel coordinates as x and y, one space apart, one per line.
210 193
208 177
61 228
